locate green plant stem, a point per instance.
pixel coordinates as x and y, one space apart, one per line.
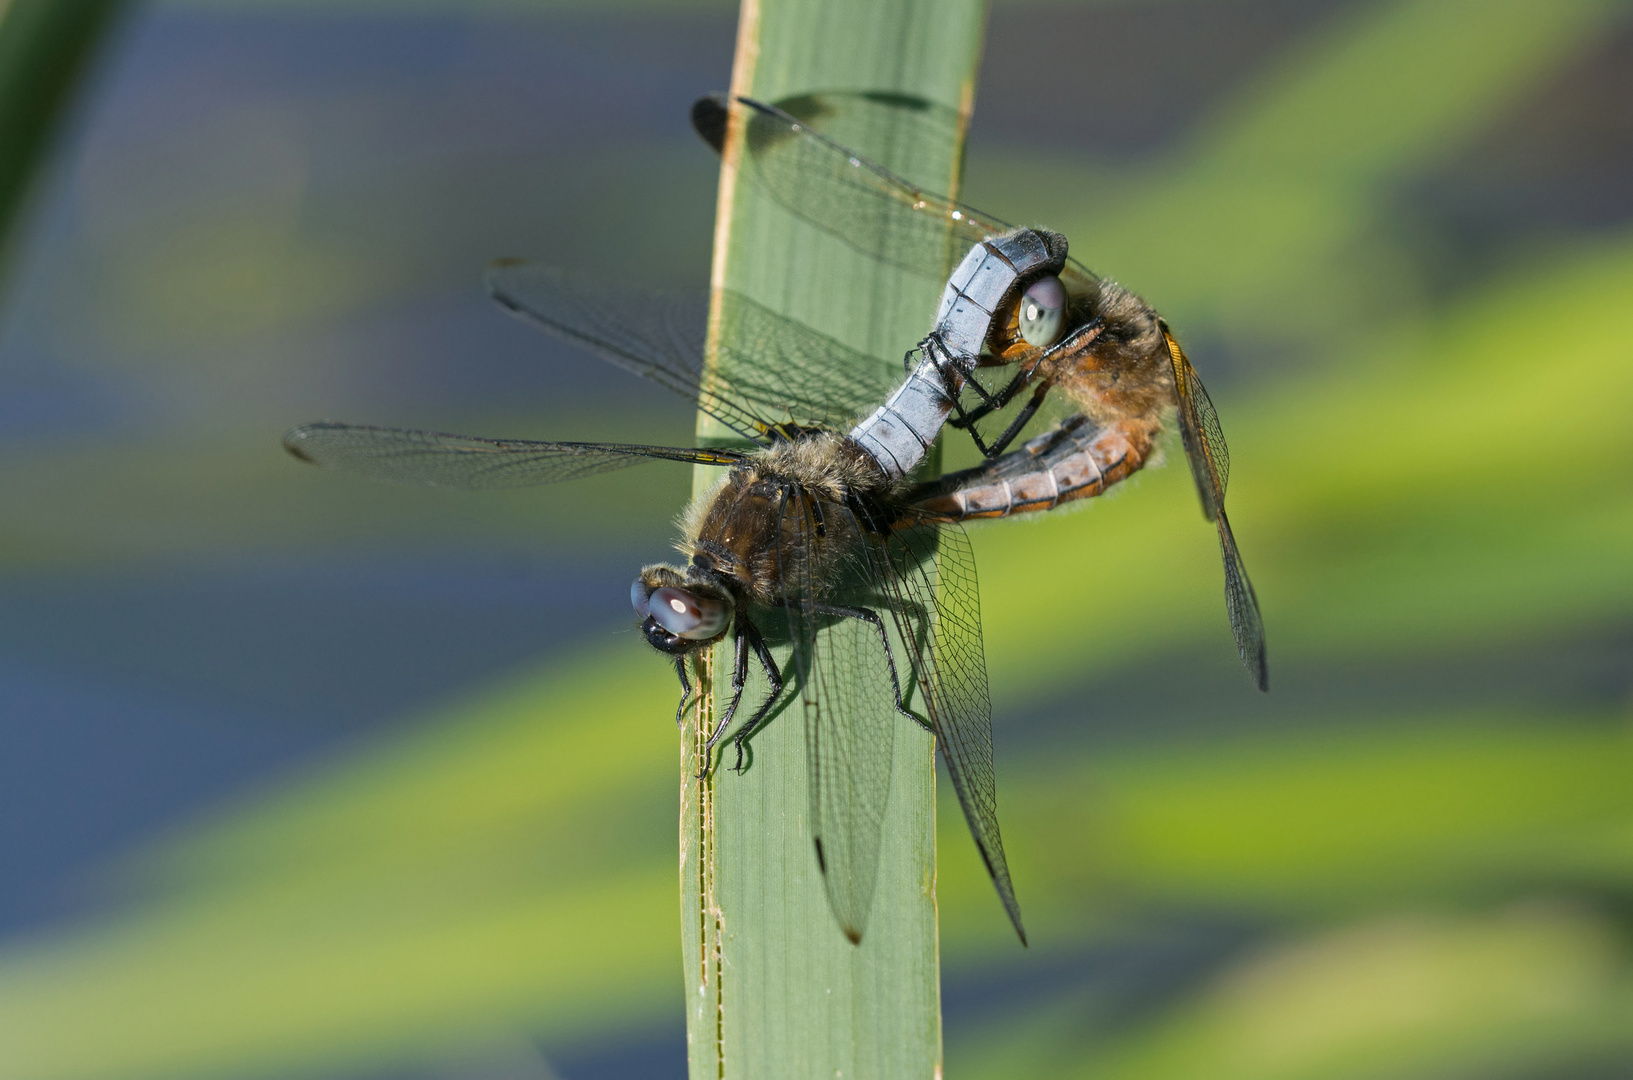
773 988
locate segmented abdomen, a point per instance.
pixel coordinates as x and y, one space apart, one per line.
901 431
1077 460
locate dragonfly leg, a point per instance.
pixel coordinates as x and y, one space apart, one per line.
868 615
739 677
916 617
992 402
773 676
1020 420
966 418
954 375
685 692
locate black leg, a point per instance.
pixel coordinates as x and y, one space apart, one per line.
1019 422
951 375
868 615
772 675
685 692
994 402
966 420
962 418
920 620
739 676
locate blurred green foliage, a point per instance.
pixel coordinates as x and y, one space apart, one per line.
1440 892
44 45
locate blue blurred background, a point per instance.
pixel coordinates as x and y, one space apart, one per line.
305 777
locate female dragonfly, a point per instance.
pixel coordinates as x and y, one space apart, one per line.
1108 352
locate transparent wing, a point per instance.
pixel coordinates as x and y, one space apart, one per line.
783 366
435 459
848 707
1210 466
781 369
1199 429
844 193
850 730
800 153
1243 606
929 575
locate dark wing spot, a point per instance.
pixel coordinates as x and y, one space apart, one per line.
709 120
911 102
296 451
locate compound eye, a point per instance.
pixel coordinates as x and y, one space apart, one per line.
695 618
1043 312
639 596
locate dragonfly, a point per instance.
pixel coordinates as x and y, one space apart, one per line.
806 542
1056 323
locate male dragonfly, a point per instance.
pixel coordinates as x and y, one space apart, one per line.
1106 349
806 540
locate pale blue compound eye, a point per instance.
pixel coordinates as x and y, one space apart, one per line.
639 592
1043 312
686 615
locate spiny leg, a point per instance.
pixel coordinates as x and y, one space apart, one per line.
772 675
992 402
1020 420
966 419
685 692
915 616
954 380
739 677
988 400
863 514
868 615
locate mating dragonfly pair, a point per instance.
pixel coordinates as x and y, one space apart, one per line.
816 536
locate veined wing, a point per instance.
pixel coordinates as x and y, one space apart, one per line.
785 366
1199 429
436 459
1243 606
842 192
929 575
849 711
1210 466
794 158
772 368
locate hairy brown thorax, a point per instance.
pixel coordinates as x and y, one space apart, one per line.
752 527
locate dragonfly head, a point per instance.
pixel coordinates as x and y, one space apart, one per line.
680 612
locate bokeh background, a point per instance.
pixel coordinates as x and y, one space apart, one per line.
300 776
